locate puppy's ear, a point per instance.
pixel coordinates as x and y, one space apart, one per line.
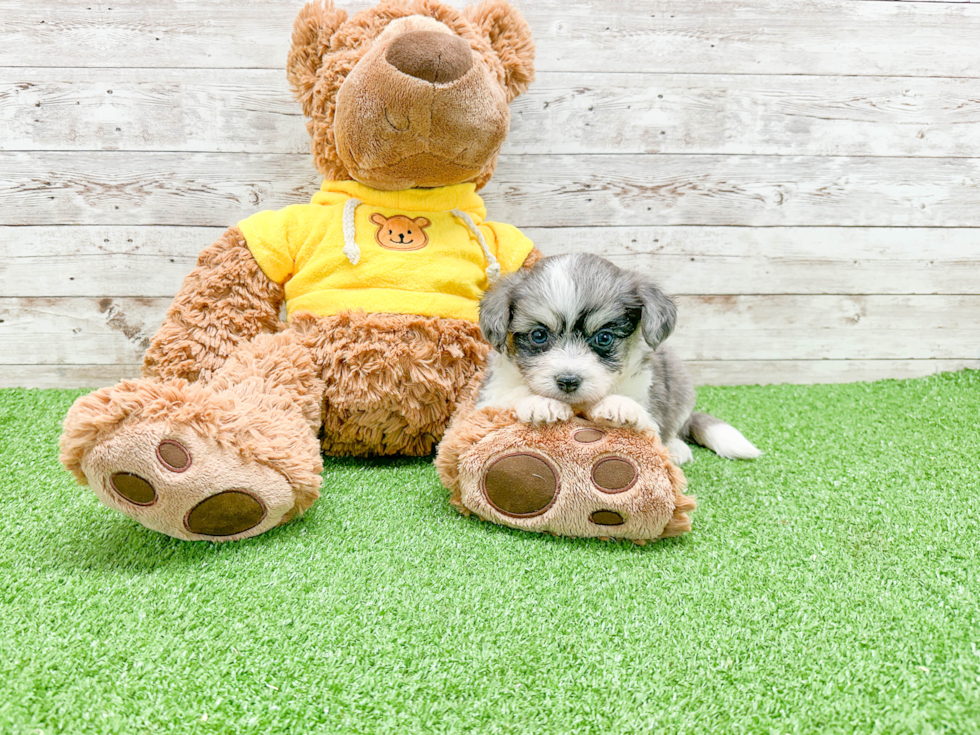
495 310
659 313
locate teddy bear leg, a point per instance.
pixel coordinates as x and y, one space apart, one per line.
220 462
391 381
571 478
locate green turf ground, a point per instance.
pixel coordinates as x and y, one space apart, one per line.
831 586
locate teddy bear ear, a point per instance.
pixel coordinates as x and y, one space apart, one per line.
379 219
510 38
312 32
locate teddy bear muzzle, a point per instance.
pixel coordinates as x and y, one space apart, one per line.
433 57
420 109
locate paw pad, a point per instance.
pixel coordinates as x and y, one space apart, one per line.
173 456
614 475
521 485
186 485
225 514
607 518
133 488
574 479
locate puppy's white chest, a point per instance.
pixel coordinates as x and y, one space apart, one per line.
637 378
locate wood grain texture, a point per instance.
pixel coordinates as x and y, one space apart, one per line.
825 37
152 261
772 114
252 111
804 176
237 110
65 376
215 189
149 188
785 260
50 331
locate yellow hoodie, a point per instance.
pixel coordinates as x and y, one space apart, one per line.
418 251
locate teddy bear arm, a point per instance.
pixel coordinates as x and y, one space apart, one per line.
225 301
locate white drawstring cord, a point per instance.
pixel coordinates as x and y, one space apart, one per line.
351 250
493 267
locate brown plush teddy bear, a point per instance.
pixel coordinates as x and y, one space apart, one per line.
381 275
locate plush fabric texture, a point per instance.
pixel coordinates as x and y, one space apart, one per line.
220 438
391 130
592 481
391 381
441 271
252 428
224 302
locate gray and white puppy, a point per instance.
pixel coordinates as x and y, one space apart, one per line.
577 334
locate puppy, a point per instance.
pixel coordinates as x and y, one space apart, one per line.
576 334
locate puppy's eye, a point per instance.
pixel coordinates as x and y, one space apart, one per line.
605 338
539 336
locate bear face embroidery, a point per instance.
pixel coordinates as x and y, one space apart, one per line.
400 232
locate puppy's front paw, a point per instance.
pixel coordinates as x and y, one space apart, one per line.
622 411
540 410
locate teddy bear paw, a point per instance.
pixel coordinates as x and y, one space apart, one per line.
575 479
185 485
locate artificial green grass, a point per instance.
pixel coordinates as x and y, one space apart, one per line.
831 586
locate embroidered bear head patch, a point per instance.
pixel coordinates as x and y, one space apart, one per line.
400 232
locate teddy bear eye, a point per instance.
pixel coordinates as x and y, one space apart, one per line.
389 232
409 232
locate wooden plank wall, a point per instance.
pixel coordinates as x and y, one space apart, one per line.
802 175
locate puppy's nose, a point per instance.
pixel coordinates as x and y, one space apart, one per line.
568 383
431 56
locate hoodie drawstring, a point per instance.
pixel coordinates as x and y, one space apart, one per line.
351 250
493 267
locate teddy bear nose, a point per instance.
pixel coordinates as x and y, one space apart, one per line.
431 56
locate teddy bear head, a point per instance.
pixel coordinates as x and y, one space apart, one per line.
409 93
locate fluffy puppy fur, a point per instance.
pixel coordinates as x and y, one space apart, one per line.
577 334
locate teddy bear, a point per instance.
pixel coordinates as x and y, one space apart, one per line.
380 274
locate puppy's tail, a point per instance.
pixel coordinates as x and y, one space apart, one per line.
721 438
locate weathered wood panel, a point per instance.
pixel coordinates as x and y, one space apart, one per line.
804 176
240 110
252 111
762 328
826 37
214 189
149 188
785 260
65 376
152 261
750 114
